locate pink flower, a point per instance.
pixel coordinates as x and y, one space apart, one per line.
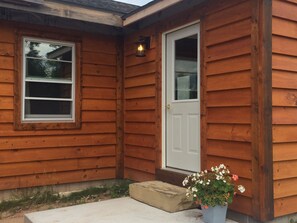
234 177
205 207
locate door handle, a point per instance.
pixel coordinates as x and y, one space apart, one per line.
168 106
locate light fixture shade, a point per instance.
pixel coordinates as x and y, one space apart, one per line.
143 44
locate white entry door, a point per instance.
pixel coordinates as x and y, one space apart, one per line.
182 99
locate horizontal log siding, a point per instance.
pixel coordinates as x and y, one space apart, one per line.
227 53
47 157
284 99
140 110
227 80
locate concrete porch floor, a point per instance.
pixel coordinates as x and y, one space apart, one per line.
124 210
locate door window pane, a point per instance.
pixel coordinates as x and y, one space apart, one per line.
186 56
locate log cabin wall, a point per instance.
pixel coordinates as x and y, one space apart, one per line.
284 99
226 94
44 157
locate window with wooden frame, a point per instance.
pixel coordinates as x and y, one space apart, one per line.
49 86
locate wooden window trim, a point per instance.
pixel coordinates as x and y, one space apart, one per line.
45 125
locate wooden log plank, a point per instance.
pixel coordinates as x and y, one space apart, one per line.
140 128
285 46
140 116
133 60
137 175
140 69
46 179
56 141
62 153
285 9
229 81
228 98
7 33
284 169
142 165
284 27
229 15
235 150
6 63
284 79
284 97
229 115
285 151
99 44
28 168
282 62
137 81
6 49
140 152
98 105
242 204
7 130
140 92
285 206
140 104
228 32
284 133
98 93
241 63
99 116
229 49
98 58
6 116
242 168
284 115
100 70
6 76
140 140
6 89
285 188
95 81
238 133
6 103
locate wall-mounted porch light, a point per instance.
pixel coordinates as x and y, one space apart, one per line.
143 44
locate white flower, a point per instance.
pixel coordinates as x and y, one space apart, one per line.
185 182
241 188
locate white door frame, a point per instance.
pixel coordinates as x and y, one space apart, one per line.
164 89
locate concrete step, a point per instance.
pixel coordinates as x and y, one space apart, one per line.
161 195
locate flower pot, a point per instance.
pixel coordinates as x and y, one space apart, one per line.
216 214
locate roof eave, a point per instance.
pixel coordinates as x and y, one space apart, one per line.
148 10
66 11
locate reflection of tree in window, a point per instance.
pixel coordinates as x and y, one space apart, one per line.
48 76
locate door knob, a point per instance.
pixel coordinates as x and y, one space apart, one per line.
168 106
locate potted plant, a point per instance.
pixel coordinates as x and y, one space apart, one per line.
214 190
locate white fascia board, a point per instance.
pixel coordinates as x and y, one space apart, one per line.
149 11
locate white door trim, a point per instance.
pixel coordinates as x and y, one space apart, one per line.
163 79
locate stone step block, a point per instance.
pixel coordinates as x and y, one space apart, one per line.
161 195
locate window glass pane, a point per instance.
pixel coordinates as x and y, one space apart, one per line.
48 90
48 69
48 50
40 107
186 68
